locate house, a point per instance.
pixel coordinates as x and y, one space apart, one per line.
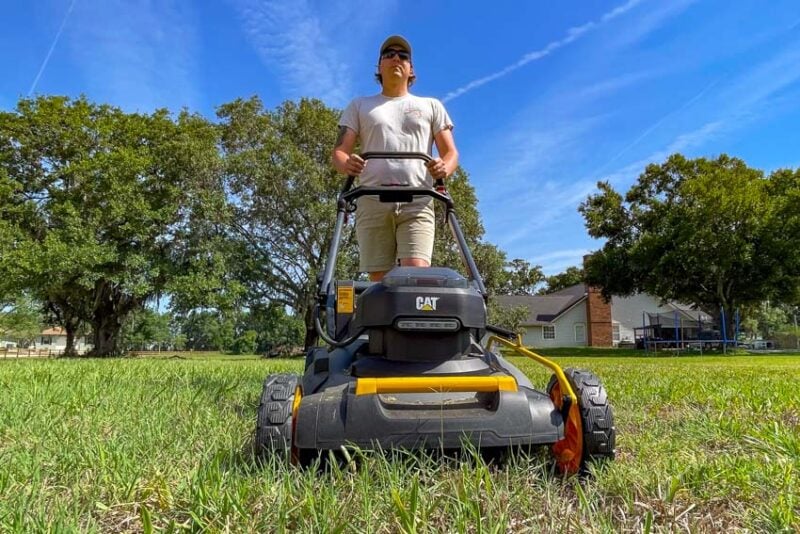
55 339
578 316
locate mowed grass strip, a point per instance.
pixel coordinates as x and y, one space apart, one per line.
132 445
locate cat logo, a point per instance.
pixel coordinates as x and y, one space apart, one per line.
427 303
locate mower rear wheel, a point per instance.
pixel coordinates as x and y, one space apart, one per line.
589 433
276 415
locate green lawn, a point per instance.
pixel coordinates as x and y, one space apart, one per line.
704 443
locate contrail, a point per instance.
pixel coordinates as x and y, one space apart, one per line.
658 123
52 47
572 34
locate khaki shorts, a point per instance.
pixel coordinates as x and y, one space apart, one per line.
388 231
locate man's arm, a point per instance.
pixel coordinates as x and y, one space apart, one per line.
342 157
447 162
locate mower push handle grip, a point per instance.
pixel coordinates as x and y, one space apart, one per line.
438 183
396 155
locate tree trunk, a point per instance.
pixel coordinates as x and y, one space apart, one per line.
110 308
69 350
105 336
68 318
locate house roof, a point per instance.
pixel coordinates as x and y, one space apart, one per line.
55 331
578 290
544 309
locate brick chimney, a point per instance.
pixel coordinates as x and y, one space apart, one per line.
598 317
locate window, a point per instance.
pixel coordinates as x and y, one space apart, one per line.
549 331
615 332
47 340
580 332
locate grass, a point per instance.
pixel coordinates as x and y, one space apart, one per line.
138 445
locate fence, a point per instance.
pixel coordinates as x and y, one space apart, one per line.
30 353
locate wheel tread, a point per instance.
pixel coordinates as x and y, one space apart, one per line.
274 420
599 433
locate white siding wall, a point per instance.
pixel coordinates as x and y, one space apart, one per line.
627 312
59 343
565 330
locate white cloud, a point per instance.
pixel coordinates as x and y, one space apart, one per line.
301 41
531 153
611 86
559 255
735 104
139 57
648 21
653 127
540 207
548 141
558 261
573 34
742 101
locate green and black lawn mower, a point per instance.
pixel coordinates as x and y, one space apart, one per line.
409 363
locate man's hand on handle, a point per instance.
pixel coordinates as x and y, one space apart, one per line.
354 165
437 168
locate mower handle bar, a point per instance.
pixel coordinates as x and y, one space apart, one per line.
389 190
439 183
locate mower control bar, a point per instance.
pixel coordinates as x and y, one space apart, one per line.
438 184
396 194
434 384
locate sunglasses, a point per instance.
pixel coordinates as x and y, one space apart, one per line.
389 54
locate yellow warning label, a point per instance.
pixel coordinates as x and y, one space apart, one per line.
344 299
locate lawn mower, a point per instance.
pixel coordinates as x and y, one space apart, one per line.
409 363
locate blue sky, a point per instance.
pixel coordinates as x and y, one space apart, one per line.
547 97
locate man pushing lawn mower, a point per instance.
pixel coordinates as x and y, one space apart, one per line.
394 120
405 364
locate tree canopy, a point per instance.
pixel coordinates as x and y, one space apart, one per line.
709 232
572 276
94 203
282 199
20 320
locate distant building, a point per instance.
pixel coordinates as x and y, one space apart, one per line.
55 339
578 316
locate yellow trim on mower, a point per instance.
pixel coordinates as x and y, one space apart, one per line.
298 396
434 384
519 347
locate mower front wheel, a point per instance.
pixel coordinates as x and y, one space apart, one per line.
277 412
589 433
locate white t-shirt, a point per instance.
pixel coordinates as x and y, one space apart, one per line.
396 124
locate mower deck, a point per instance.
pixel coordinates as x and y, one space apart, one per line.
338 416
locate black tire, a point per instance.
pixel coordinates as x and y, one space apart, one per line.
274 432
597 416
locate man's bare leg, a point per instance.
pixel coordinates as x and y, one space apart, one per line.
376 276
414 262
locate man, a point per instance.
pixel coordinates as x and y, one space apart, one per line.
395 121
